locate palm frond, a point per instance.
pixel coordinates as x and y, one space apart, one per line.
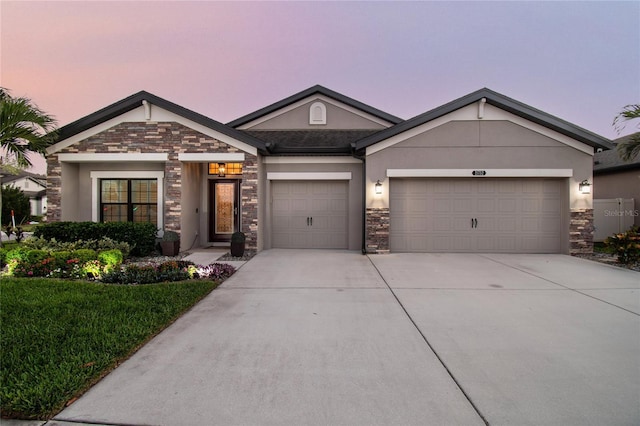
629 149
24 128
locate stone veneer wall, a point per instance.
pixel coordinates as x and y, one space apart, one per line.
160 137
581 232
377 229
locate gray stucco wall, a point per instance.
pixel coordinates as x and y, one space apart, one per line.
298 118
482 144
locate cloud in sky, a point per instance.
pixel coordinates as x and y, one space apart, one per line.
577 60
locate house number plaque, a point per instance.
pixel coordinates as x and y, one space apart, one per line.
479 172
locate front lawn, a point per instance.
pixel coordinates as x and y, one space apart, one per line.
59 337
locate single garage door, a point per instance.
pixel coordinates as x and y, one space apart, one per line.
309 214
477 215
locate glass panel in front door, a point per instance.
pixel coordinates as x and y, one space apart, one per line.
224 207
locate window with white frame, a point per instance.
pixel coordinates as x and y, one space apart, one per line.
128 196
129 200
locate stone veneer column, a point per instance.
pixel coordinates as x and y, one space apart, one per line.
172 193
249 201
54 188
377 230
581 232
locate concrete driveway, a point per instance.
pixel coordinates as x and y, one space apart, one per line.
337 338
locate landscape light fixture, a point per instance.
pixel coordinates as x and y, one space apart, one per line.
222 168
378 187
585 187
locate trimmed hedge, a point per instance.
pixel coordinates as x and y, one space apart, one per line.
140 236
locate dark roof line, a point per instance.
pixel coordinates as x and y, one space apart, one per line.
503 102
134 101
310 92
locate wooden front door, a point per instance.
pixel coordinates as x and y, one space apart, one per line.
224 209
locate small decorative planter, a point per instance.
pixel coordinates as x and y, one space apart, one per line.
237 244
170 243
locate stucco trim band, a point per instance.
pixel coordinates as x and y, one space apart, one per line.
309 176
479 173
213 157
92 157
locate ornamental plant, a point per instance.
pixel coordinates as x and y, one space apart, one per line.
626 245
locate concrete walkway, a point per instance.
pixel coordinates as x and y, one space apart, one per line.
327 337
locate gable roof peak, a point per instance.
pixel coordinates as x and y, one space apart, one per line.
500 101
317 89
136 100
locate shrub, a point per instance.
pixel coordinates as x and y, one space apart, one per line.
85 255
14 199
626 245
140 236
111 259
79 264
52 245
36 263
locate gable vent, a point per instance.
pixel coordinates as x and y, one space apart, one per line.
317 113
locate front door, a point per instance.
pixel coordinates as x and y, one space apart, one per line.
224 214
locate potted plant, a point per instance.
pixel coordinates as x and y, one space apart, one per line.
170 243
237 244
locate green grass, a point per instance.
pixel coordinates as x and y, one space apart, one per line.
57 337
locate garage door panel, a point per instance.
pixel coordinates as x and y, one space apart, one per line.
309 214
513 215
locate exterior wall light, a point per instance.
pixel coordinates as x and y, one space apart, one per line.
378 187
222 168
585 187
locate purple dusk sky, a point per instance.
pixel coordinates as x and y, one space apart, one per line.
579 61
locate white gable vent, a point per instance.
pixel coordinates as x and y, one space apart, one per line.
317 113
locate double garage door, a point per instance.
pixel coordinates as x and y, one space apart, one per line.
309 214
477 215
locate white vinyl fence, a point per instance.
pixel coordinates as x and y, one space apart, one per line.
611 216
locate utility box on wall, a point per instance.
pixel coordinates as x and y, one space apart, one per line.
611 216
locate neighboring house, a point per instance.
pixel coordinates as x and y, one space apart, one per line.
484 173
33 186
614 178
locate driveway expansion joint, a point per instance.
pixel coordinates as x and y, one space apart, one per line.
440 360
562 285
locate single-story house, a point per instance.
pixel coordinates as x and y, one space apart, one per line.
33 186
614 178
483 173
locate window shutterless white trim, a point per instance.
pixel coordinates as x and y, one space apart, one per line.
120 174
479 173
120 157
309 176
203 157
310 160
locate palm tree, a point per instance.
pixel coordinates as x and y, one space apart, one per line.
24 129
630 148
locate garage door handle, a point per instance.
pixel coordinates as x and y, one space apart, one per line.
311 221
475 223
308 220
